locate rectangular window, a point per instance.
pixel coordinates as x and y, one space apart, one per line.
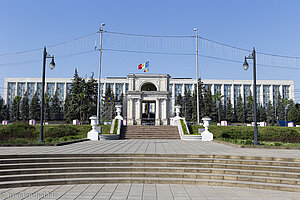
266 95
11 93
50 89
227 94
60 91
207 87
247 93
171 88
111 85
258 95
237 92
21 89
119 90
275 94
126 87
188 87
285 92
31 90
39 90
217 89
178 90
69 85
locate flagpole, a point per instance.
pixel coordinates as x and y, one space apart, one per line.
198 114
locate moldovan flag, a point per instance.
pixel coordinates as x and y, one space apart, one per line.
144 66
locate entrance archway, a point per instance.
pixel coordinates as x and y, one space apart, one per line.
148 87
148 113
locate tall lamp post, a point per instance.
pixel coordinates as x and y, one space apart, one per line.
52 66
246 66
197 74
99 75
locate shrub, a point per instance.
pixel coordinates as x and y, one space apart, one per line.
60 131
183 126
20 130
115 131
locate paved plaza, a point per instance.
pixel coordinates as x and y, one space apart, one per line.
147 191
151 147
143 191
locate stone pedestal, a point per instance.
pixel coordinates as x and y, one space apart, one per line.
93 134
32 122
206 135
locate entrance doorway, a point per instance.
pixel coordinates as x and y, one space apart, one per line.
148 113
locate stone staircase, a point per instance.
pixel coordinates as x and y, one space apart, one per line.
150 132
234 171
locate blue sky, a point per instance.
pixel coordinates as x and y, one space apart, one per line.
270 26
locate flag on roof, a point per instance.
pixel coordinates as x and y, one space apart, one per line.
144 66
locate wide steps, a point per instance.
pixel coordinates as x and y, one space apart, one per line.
150 132
240 171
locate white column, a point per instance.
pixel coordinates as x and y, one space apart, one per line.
222 93
271 93
232 95
280 91
261 95
183 89
138 112
173 97
242 92
291 92
212 89
164 112
65 91
157 114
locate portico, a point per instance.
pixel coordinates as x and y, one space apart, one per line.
148 99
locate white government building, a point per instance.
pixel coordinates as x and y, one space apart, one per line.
156 91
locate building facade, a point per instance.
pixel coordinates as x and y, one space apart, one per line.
154 93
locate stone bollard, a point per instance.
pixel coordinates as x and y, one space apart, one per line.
177 110
76 122
93 134
291 124
32 122
223 123
118 110
206 135
4 122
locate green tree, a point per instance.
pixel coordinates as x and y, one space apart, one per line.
218 97
229 112
108 105
73 103
280 109
90 98
261 114
240 110
80 97
47 100
209 106
5 112
270 113
55 108
294 114
25 107
15 108
35 108
187 106
249 109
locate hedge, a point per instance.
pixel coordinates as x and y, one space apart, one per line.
273 134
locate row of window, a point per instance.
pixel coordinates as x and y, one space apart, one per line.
237 92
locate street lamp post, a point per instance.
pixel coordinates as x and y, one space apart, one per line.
197 74
52 66
246 66
99 76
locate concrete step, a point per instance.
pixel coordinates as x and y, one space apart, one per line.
150 132
30 183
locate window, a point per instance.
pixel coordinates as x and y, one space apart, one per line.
21 89
60 91
50 89
275 94
247 93
217 89
266 95
31 90
207 87
39 90
258 95
237 92
171 88
227 94
178 90
285 92
69 85
119 90
188 87
11 93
